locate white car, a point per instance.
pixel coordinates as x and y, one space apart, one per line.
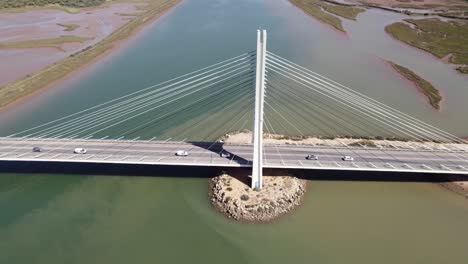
79 151
181 153
225 155
347 158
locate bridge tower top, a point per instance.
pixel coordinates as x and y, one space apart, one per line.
257 135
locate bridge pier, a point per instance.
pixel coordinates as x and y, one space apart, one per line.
257 135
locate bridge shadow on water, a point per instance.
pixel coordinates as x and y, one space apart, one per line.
106 169
375 176
91 169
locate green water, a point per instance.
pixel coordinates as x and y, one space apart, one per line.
55 218
67 219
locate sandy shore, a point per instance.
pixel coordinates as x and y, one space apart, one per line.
246 137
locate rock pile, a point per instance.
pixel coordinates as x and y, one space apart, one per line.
234 198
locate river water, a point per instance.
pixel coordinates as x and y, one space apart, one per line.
58 218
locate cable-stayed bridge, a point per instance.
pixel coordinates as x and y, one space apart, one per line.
256 91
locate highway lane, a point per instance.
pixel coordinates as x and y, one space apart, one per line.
278 152
245 151
207 154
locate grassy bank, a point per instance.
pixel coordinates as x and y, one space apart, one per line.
325 12
69 3
30 84
44 43
69 27
347 12
463 69
69 6
438 37
424 86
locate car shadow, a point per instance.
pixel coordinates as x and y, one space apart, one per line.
218 148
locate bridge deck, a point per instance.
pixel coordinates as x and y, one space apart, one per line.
208 154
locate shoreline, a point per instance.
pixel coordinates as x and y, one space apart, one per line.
340 31
445 59
110 43
454 187
424 87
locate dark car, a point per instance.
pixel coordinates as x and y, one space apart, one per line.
37 149
312 157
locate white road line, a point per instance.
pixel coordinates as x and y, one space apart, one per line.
445 167
408 166
426 167
90 156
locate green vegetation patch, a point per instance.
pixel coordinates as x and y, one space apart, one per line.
424 86
348 12
44 43
412 6
70 3
325 11
365 142
69 27
312 8
435 36
463 69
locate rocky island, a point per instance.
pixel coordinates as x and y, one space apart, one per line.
230 193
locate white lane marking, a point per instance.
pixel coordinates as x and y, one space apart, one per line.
408 166
24 154
281 157
53 157
445 167
426 167
90 156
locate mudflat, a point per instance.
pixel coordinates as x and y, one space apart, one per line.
47 24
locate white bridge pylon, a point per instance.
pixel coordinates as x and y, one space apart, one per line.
257 136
